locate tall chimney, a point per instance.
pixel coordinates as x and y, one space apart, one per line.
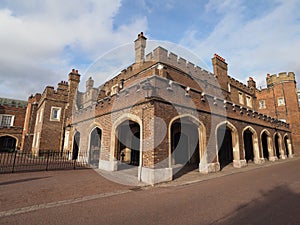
140 45
221 71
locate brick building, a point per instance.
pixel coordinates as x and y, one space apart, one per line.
12 114
163 113
46 116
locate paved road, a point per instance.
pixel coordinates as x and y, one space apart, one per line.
269 195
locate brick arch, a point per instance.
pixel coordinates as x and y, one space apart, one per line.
201 137
116 124
91 130
93 126
255 144
235 142
269 142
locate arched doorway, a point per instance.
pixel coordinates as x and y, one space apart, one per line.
248 145
185 151
265 145
7 144
224 145
128 144
277 145
95 146
76 142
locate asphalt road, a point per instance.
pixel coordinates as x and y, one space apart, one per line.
269 195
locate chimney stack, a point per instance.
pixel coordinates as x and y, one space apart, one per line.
140 45
251 83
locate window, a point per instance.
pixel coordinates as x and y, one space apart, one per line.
241 98
262 104
6 120
281 101
55 114
249 101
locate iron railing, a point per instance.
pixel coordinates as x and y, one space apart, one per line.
17 161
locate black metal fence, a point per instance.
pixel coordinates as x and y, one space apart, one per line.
47 160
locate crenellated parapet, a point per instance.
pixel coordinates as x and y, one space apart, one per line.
61 93
241 86
279 78
164 56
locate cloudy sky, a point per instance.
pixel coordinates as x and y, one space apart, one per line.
41 41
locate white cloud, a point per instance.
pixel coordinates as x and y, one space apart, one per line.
41 40
252 46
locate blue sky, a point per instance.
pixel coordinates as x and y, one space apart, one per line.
41 41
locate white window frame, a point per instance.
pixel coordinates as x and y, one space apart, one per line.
249 101
262 106
241 98
52 118
280 101
11 120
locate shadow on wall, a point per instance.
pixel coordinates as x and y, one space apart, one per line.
278 206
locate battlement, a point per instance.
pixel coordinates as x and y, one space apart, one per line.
243 87
59 94
63 86
164 56
280 78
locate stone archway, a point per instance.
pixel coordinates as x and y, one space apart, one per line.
128 144
227 145
186 138
185 153
251 148
8 143
267 145
95 146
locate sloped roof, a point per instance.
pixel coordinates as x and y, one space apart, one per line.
13 102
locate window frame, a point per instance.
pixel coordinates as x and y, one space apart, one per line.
53 109
262 106
241 98
249 101
12 118
279 103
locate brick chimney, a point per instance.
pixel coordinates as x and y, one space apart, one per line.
220 70
251 83
140 45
